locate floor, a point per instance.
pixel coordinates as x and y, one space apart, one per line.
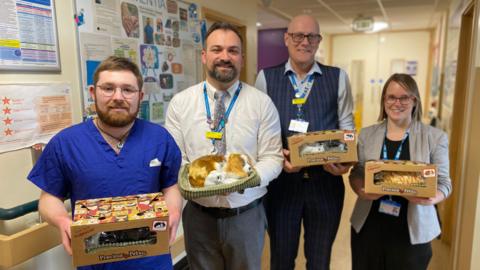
341 257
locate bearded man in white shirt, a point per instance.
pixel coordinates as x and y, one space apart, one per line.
226 231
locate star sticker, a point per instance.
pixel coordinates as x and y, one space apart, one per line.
7 121
6 100
8 132
7 110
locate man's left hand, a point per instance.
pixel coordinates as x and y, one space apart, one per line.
337 168
175 205
173 221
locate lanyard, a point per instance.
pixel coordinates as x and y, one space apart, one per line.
306 84
397 154
301 95
399 150
222 122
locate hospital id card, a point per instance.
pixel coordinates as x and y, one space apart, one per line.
389 207
298 126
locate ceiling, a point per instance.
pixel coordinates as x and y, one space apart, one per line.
336 16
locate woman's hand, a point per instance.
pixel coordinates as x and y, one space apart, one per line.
427 201
357 185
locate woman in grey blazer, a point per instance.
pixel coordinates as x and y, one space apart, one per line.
382 238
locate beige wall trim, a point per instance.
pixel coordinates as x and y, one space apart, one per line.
428 84
218 16
467 171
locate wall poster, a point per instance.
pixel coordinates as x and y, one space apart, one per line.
32 113
28 35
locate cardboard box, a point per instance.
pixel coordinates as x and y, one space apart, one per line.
322 147
404 178
119 228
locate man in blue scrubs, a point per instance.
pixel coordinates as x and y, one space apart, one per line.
115 154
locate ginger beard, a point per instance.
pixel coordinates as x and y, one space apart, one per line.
117 113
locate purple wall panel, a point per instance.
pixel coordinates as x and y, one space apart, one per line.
271 48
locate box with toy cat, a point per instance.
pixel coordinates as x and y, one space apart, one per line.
322 147
119 228
217 174
399 177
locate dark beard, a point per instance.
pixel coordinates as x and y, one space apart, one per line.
116 120
223 77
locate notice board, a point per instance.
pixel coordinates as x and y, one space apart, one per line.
163 37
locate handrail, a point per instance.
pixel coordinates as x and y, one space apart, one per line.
19 210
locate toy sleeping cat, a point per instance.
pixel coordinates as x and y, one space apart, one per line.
215 169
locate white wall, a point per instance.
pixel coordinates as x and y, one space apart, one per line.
377 51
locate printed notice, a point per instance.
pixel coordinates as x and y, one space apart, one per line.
28 38
32 113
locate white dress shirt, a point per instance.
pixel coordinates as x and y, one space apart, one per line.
345 101
253 128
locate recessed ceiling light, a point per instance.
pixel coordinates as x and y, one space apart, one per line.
378 26
259 24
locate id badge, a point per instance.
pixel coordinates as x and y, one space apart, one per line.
389 207
214 135
298 126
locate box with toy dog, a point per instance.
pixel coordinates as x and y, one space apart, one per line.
322 147
119 228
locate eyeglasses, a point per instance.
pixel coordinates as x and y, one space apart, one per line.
109 90
404 100
299 37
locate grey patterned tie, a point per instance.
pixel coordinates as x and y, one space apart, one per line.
220 146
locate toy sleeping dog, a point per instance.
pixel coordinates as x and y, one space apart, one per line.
215 169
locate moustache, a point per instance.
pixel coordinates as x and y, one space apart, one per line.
223 63
118 104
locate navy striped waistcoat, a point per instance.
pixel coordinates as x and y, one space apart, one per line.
321 109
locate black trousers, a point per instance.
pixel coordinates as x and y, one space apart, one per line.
384 243
317 202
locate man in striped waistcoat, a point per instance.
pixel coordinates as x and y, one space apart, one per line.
312 195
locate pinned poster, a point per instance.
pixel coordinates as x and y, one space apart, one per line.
32 113
28 36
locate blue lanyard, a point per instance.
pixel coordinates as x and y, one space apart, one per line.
224 119
399 150
305 87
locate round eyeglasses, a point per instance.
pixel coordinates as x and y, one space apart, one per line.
299 37
404 100
109 90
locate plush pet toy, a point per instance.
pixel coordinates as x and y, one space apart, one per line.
333 146
216 169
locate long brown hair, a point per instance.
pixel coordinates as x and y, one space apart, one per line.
409 84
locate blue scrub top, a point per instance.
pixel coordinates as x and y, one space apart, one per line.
79 163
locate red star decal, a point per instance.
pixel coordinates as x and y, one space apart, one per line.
6 100
7 111
8 132
7 121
